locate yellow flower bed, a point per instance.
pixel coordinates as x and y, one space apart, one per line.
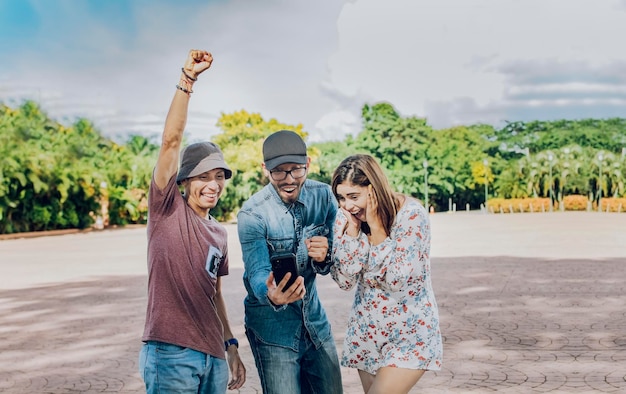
516 205
612 204
573 202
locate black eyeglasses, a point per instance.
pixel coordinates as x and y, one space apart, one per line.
296 173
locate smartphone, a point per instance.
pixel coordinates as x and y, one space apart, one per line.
281 264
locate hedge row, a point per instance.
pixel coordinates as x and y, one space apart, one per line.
569 203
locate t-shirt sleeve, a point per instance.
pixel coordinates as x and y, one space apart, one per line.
162 202
224 266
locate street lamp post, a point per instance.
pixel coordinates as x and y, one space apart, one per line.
550 157
486 163
600 157
425 164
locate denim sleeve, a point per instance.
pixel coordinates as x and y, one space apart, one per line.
324 267
256 258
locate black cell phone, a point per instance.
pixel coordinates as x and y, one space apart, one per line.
281 264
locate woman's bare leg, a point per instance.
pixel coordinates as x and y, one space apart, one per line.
389 380
366 380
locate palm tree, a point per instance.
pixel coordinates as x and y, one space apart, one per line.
569 175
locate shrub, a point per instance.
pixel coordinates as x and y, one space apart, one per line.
501 205
575 202
613 204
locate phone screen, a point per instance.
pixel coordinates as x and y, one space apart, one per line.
282 264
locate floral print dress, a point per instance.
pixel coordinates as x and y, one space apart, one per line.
394 319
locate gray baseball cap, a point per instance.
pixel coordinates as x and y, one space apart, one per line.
199 158
284 146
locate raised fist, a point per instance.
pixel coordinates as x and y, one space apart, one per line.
197 62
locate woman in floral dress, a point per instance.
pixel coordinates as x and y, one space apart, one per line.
382 244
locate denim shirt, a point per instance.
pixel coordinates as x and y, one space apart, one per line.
267 226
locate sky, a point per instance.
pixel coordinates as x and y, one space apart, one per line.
315 63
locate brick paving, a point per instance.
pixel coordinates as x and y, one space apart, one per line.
529 303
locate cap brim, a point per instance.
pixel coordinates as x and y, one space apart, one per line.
205 165
275 162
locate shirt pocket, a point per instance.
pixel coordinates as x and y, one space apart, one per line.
316 230
280 245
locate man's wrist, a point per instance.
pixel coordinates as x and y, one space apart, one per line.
188 75
231 342
276 307
326 260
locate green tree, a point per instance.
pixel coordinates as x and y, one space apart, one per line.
241 141
331 154
407 147
46 178
399 144
51 175
456 153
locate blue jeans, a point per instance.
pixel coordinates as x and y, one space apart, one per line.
167 368
307 371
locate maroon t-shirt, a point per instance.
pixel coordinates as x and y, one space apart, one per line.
186 254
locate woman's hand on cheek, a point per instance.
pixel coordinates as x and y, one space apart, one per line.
372 218
353 225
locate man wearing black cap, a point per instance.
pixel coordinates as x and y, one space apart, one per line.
286 326
187 335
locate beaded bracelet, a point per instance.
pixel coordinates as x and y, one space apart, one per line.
188 91
189 77
185 85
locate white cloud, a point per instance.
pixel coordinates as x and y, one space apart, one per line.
335 126
451 60
317 63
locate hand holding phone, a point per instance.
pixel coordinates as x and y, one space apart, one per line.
281 264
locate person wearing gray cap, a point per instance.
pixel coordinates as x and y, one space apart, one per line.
289 220
187 337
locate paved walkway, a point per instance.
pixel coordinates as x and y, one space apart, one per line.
528 302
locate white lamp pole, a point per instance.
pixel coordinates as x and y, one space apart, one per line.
550 157
486 163
425 164
600 157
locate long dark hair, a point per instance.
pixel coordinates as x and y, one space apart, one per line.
363 170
